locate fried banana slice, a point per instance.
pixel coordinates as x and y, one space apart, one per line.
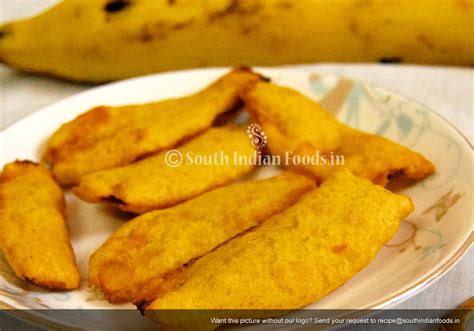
107 137
292 259
296 126
34 237
155 183
134 261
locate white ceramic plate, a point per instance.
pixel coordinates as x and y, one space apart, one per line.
428 243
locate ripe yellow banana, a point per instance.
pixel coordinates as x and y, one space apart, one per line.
98 40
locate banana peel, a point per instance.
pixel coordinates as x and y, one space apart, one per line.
97 41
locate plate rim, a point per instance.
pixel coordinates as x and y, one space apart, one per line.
271 70
396 298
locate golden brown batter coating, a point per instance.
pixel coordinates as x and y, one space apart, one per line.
153 184
134 261
291 260
298 125
107 137
33 233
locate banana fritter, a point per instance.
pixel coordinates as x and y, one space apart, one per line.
134 261
152 183
298 126
290 260
107 137
34 237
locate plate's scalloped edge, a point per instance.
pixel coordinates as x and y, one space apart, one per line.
426 281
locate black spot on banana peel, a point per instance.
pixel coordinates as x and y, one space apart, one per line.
236 7
285 4
394 59
5 30
116 5
161 29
